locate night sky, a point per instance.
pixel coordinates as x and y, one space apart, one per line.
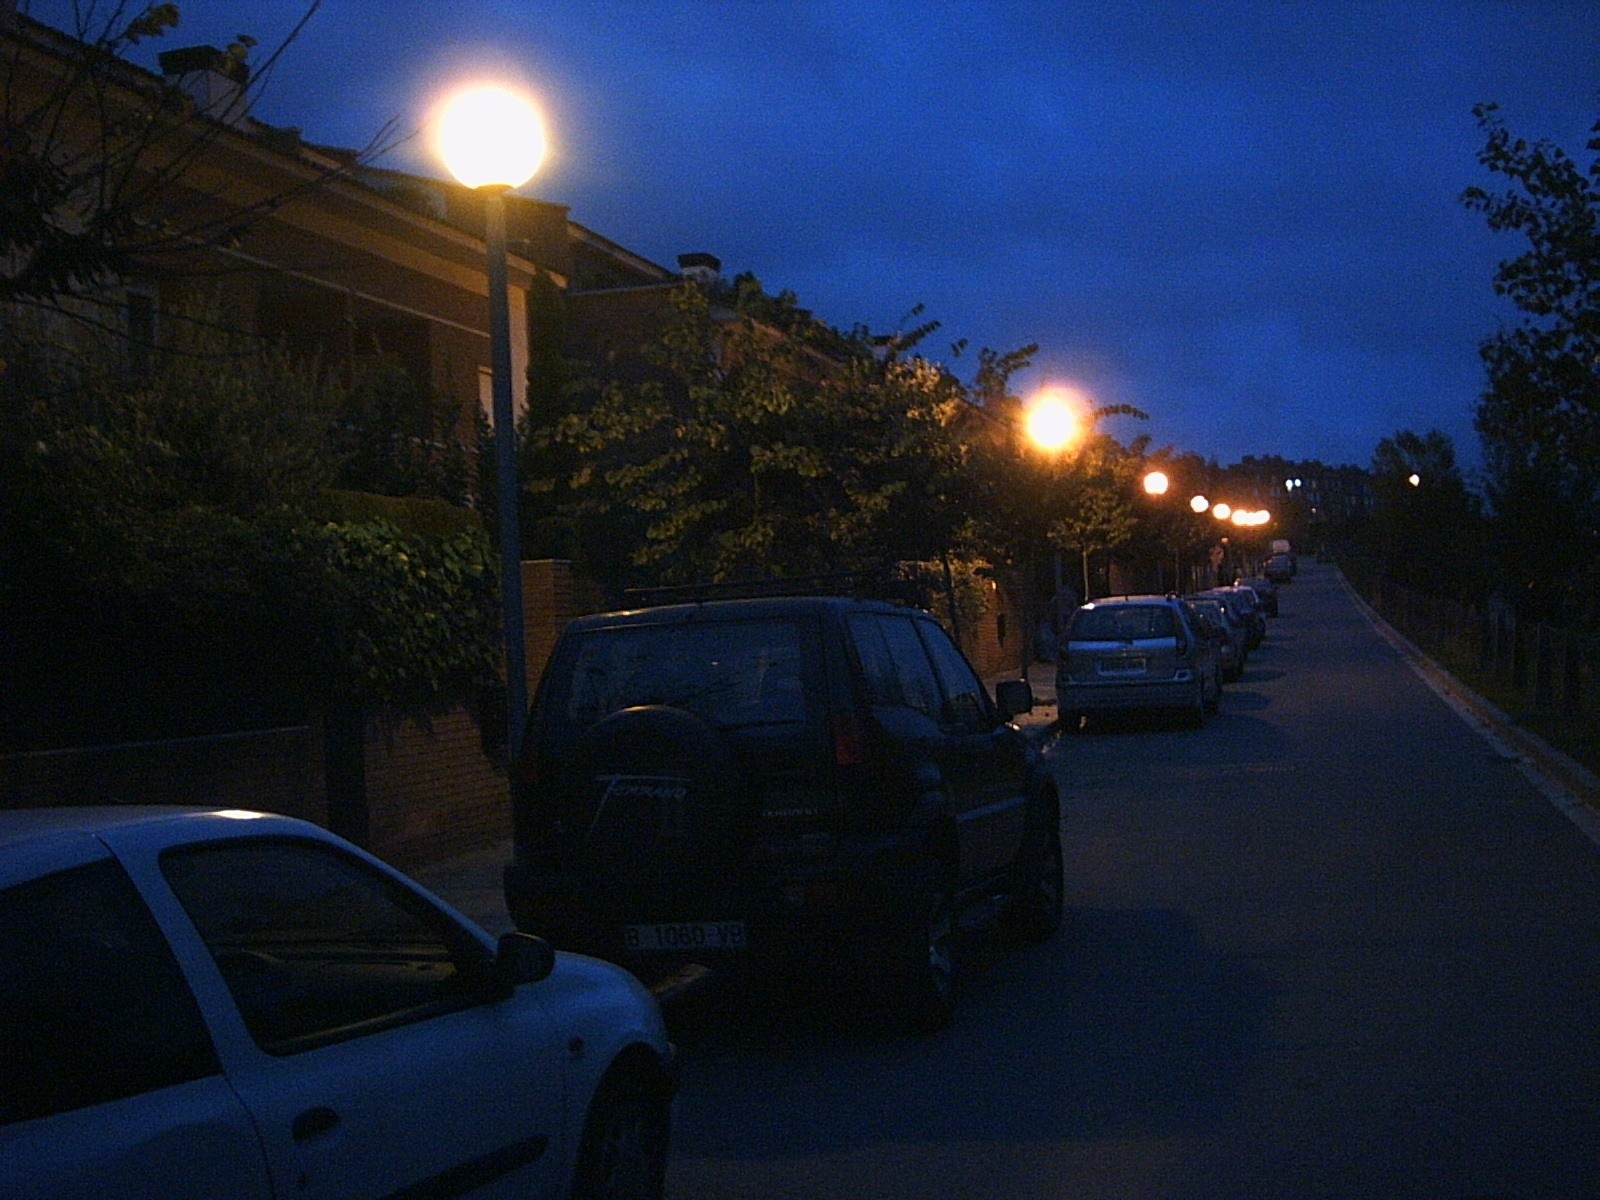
1242 218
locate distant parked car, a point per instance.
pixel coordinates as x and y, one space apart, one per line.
1245 607
216 1003
1211 618
1266 591
1136 652
1280 568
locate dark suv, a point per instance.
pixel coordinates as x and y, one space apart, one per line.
785 784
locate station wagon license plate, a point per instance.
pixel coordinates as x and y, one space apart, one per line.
1122 666
685 935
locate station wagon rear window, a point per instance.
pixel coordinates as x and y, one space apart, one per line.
731 674
1124 622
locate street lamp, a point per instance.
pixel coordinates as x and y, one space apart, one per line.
1155 484
1054 421
492 140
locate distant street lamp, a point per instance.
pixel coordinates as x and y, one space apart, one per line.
1155 484
492 140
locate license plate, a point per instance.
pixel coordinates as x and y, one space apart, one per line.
1122 666
685 935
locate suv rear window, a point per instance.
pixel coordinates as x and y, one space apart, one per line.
1122 623
730 674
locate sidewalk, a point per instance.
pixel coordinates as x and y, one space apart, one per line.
471 882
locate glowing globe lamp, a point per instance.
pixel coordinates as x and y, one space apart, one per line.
489 136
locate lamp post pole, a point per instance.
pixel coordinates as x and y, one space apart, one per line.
505 463
492 140
1054 421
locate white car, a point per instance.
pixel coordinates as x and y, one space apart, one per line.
205 1003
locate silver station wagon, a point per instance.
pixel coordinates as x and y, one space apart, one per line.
1136 652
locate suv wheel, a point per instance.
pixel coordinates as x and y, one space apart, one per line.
924 991
1034 914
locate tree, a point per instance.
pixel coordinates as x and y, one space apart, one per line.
173 560
1426 527
1096 513
750 451
1540 416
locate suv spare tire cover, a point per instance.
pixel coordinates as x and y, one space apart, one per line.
659 793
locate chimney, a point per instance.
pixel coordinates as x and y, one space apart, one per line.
214 80
699 268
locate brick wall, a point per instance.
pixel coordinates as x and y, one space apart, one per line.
279 770
551 596
996 645
432 792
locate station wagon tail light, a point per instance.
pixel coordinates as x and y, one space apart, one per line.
849 741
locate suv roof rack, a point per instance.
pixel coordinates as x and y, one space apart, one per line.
858 584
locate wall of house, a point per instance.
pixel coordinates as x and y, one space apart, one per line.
995 645
432 790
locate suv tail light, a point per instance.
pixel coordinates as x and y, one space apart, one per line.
849 741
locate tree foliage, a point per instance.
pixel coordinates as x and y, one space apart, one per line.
1426 530
174 561
1539 419
748 452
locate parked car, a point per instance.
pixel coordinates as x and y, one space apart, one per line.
1245 607
783 786
1136 652
1256 609
1266 591
1280 568
1212 619
213 1003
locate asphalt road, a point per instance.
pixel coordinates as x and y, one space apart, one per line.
1332 945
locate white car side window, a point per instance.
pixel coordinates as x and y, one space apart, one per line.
316 946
